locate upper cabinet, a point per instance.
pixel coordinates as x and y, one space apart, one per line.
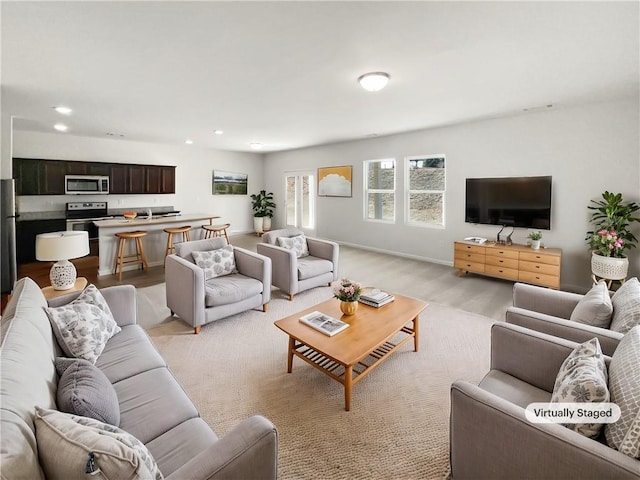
46 177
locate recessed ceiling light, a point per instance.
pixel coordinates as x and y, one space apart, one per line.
256 145
63 110
374 81
218 132
61 127
188 141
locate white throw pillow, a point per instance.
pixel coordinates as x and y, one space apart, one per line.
583 379
83 326
626 306
297 243
216 263
72 447
624 384
595 308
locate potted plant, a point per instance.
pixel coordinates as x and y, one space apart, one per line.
263 206
348 292
611 235
535 238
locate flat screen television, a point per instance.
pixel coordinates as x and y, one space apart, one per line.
512 201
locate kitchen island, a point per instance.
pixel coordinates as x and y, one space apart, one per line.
154 243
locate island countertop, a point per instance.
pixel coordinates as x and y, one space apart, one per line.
154 220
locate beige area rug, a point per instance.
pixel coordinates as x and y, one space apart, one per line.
398 426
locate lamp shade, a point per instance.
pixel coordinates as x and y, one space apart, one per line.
56 246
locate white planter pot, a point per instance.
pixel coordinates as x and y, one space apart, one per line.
535 244
609 267
258 224
266 224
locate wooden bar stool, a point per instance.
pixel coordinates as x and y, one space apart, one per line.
138 257
172 231
217 231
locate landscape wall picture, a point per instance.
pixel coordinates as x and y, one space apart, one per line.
228 183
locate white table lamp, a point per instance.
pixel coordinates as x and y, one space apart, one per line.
60 247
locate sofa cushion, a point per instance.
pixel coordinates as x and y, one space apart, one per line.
129 353
626 306
83 326
152 403
230 289
583 379
595 307
309 267
624 384
84 390
513 389
72 447
216 263
298 243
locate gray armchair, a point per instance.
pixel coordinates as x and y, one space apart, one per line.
548 311
490 435
293 275
198 301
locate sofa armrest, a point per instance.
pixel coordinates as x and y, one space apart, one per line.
284 266
567 329
249 451
120 298
185 289
544 300
255 266
326 250
533 357
492 438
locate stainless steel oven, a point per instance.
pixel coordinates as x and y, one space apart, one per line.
81 215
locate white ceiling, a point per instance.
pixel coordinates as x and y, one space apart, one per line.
284 73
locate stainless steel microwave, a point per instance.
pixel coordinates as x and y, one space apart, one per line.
86 184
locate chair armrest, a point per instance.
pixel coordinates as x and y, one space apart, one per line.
284 266
533 357
185 289
544 300
249 451
326 250
492 438
120 298
567 329
255 266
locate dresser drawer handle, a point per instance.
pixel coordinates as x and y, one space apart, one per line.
501 261
537 266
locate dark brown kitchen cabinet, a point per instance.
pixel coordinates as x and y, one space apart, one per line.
118 176
52 174
160 179
26 232
26 175
88 168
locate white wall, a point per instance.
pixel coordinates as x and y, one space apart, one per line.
587 149
193 174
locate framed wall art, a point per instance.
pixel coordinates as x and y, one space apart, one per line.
228 183
335 181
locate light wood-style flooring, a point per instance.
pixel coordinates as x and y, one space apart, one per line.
428 281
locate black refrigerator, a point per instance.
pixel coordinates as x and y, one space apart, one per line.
9 268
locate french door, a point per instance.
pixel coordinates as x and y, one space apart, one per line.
300 201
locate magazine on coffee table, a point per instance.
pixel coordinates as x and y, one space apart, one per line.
376 298
324 323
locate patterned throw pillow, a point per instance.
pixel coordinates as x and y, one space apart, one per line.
624 384
71 447
297 243
83 326
583 379
595 308
84 390
626 306
216 263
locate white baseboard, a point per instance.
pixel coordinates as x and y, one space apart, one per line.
398 254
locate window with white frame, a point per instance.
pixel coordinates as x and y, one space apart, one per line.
425 190
380 186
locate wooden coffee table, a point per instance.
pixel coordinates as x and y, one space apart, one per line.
350 355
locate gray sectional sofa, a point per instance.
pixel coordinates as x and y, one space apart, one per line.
153 406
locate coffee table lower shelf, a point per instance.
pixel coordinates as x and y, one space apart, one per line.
349 375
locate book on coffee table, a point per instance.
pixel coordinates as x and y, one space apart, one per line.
376 298
324 323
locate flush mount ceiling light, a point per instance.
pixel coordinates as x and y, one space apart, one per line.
218 132
63 110
61 127
256 145
374 81
188 141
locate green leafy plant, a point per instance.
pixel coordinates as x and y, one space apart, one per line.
611 219
262 204
535 235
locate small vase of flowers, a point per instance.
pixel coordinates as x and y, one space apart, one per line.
348 292
535 238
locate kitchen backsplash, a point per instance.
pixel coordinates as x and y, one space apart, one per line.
57 203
